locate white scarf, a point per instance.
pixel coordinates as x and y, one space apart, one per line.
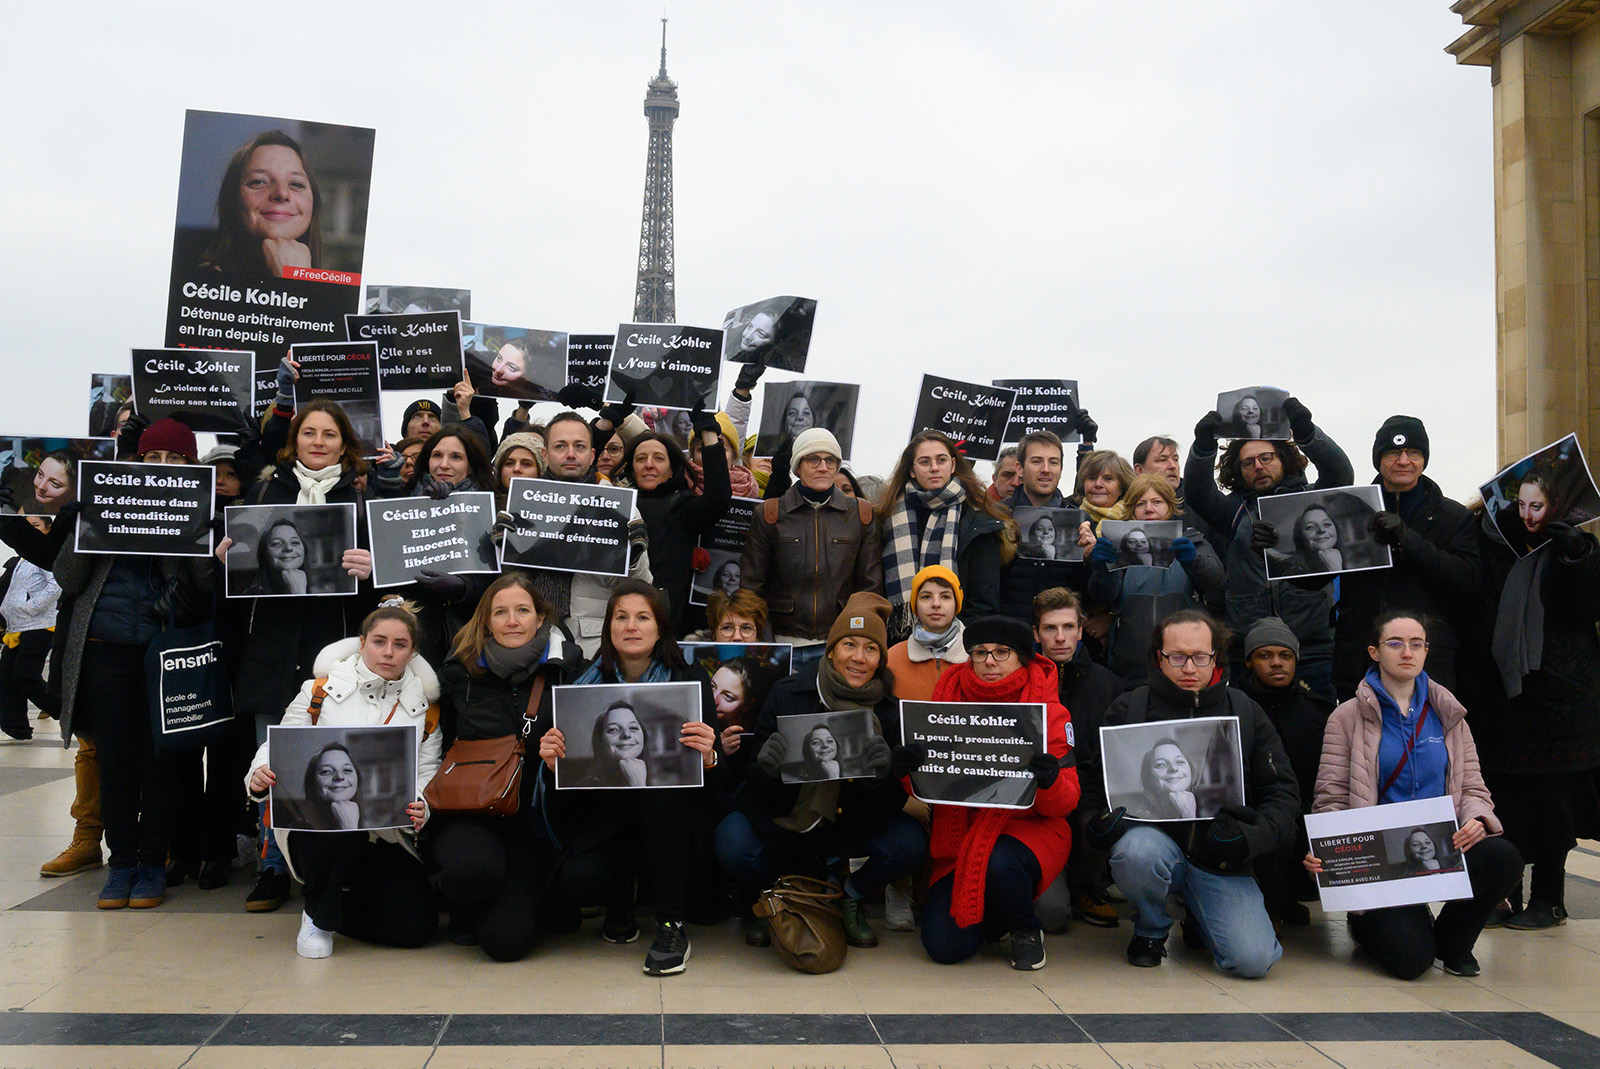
314 485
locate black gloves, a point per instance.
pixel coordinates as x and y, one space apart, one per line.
1087 428
437 489
1206 431
1103 831
1388 529
749 375
506 521
1570 542
1299 420
878 757
449 588
1046 768
1224 846
577 395
128 436
773 751
617 411
907 759
703 421
1263 536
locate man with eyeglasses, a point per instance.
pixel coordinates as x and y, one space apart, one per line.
1437 570
1207 863
812 548
1248 470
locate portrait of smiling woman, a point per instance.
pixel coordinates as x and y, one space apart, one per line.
267 211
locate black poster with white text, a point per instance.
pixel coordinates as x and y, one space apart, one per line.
1042 405
345 372
665 365
411 535
415 352
145 509
973 416
588 358
568 527
208 389
978 752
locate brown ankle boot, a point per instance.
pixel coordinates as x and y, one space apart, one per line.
84 850
81 854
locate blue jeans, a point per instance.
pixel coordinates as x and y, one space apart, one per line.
1013 873
1228 910
893 848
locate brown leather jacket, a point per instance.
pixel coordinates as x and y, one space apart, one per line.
810 560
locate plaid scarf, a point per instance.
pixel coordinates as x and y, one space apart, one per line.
904 556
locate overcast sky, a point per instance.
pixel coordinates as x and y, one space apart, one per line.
1162 200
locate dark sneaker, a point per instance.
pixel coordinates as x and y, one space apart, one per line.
669 952
1499 915
620 925
1145 952
149 887
1537 915
119 885
1027 949
757 932
1092 907
1295 914
857 932
1460 965
213 874
270 892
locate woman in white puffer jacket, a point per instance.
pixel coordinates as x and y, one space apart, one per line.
368 885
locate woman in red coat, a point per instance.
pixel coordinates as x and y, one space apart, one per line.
990 864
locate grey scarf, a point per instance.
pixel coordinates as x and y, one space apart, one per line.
519 663
1518 641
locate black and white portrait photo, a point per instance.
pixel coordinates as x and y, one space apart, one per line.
289 550
409 300
107 394
1256 413
825 746
1048 533
1174 769
515 362
627 735
788 408
1424 850
775 332
723 573
1549 485
1142 542
1324 532
342 778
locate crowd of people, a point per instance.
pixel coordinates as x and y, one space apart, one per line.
1467 670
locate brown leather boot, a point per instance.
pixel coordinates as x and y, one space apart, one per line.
81 854
84 850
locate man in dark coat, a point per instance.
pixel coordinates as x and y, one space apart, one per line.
1436 566
1249 470
1041 454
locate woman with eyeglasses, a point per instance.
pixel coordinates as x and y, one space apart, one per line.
738 617
1401 738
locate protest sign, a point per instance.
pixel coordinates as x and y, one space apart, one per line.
978 752
409 300
568 527
145 509
1550 485
209 389
260 260
627 735
1173 769
415 352
588 358
344 372
39 472
1048 533
973 416
266 385
1254 413
1388 855
1324 532
775 332
665 365
1142 542
344 778
188 688
790 408
289 550
107 392
1042 405
741 674
825 746
725 544
410 535
516 362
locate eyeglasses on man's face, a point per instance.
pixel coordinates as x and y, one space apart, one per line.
1178 660
1260 460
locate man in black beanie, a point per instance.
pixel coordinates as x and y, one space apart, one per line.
1436 568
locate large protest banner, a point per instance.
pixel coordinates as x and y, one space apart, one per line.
411 535
209 389
973 416
345 372
1042 405
568 527
665 365
145 509
415 352
260 261
978 752
1388 855
588 358
725 546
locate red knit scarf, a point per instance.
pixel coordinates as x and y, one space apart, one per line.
969 834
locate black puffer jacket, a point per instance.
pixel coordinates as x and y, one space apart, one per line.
1553 726
1024 577
1301 719
1436 571
676 517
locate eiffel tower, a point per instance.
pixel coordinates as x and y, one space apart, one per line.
653 297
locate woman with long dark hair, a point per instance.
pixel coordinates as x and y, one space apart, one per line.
268 211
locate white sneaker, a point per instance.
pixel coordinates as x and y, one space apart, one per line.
312 942
897 913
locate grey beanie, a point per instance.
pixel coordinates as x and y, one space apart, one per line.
1271 631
